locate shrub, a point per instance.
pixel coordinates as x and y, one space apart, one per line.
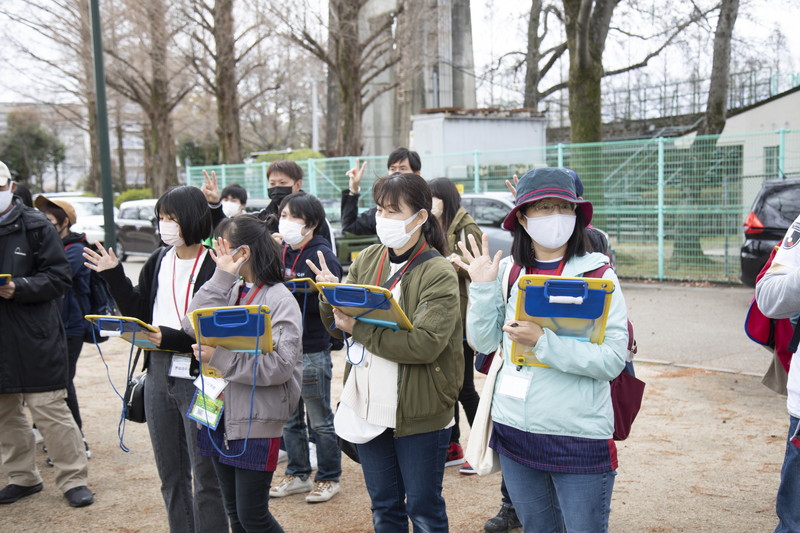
132 194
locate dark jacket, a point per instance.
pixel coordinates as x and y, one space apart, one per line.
315 337
352 222
76 300
138 301
33 351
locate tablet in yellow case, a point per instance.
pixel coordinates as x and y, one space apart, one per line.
301 285
570 307
4 278
127 328
367 303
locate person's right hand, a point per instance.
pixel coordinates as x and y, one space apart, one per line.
278 238
479 265
355 175
323 273
221 254
105 260
513 188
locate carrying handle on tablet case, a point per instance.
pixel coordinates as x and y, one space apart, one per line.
355 296
116 324
293 285
230 318
572 291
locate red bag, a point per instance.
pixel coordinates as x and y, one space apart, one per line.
627 392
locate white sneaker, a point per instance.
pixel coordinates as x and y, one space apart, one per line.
323 491
290 485
312 455
282 456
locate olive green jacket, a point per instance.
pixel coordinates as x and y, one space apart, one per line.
462 226
430 357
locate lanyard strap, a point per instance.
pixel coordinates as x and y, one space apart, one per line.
392 281
251 292
283 258
188 284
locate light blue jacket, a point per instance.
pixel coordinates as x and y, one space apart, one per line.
573 397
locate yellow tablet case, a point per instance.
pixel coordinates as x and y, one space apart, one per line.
302 285
127 328
4 278
367 303
571 307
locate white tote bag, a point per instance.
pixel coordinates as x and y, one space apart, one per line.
480 457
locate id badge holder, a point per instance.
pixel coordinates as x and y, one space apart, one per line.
180 367
211 387
205 410
514 384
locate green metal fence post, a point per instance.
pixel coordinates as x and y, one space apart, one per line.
560 155
660 208
782 154
312 177
224 174
188 174
476 172
264 180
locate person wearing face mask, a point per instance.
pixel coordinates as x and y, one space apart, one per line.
34 369
400 386
552 426
457 225
76 301
234 200
301 218
168 281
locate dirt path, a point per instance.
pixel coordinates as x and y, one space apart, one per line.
705 456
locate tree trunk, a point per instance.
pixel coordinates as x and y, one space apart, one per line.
348 76
532 57
717 105
226 83
122 178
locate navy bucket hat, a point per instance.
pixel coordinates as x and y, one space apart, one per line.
547 182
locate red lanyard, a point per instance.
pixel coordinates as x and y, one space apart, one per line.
252 294
408 263
283 258
188 284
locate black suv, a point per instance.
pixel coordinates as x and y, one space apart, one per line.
773 211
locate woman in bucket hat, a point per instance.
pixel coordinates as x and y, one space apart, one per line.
553 425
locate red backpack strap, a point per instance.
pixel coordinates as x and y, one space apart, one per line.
513 276
597 272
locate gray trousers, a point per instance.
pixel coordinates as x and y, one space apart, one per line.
190 509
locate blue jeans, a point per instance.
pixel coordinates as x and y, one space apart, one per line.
404 480
789 489
551 502
191 507
316 397
246 494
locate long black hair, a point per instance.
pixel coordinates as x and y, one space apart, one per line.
189 207
446 191
522 248
265 257
305 206
413 190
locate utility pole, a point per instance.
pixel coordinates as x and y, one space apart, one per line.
102 128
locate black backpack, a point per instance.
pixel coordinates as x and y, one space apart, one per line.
100 302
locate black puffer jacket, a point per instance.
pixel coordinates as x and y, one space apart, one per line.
33 350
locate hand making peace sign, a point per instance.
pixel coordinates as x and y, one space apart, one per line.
323 273
210 188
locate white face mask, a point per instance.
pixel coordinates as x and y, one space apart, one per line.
170 233
291 232
231 209
5 198
552 231
437 208
392 232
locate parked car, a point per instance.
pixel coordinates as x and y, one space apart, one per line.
137 232
489 210
774 209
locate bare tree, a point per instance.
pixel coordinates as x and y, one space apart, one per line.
716 108
354 56
146 69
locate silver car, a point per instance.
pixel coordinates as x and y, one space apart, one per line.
489 210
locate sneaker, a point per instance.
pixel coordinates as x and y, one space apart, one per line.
466 470
505 521
12 493
282 456
290 485
312 455
323 491
79 496
455 455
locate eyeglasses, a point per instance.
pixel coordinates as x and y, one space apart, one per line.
546 207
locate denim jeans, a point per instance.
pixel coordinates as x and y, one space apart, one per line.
174 439
246 494
789 489
316 397
552 502
404 480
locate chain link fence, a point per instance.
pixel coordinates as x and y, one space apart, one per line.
673 207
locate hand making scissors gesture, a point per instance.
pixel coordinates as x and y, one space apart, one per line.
477 262
210 188
323 273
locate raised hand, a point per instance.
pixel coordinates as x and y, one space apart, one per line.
101 260
323 273
477 262
513 188
355 175
210 188
221 254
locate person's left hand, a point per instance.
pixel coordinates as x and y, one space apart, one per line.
204 351
7 290
343 322
210 188
523 332
221 254
154 337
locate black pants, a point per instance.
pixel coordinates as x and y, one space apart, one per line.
74 347
468 396
246 496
